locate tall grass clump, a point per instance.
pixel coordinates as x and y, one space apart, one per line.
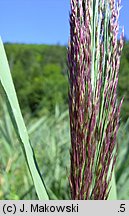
50 140
93 59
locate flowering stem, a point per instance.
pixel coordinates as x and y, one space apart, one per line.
93 61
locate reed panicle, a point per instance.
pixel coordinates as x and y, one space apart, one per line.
93 59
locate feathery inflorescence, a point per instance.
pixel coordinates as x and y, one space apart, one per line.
93 59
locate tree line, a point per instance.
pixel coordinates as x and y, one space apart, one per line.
40 77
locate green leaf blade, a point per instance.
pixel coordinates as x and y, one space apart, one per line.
19 125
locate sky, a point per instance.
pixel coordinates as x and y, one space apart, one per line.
42 21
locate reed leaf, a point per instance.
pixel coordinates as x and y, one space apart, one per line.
19 125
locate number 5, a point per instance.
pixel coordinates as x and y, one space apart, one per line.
122 207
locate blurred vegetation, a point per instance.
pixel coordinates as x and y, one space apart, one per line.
39 74
122 165
50 139
123 85
40 77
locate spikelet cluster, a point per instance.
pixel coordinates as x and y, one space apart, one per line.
93 59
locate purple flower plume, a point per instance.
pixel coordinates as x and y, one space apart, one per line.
93 61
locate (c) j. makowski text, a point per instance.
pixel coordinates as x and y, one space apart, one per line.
37 208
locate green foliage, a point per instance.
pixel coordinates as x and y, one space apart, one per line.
122 168
52 153
53 146
39 74
14 176
123 87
